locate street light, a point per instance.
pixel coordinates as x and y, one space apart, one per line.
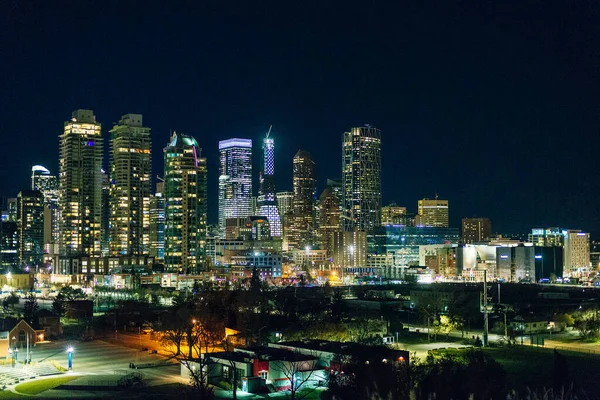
70 351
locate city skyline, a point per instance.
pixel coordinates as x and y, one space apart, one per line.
452 103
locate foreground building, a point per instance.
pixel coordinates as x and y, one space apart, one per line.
185 205
130 172
80 185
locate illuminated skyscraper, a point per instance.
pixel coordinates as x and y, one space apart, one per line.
361 170
157 223
393 215
476 229
80 185
267 202
300 233
547 237
432 213
576 253
30 222
329 222
285 202
185 205
105 219
42 180
130 169
235 180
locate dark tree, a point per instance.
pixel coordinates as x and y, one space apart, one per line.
58 305
11 300
30 310
255 281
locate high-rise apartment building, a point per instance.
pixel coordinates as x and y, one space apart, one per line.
235 180
301 227
329 222
30 222
11 207
45 182
285 203
576 253
476 229
157 223
9 244
432 213
267 200
361 179
130 172
80 185
185 205
105 218
393 215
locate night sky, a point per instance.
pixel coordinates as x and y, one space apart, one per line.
492 106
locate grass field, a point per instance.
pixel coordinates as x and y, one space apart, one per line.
532 367
38 386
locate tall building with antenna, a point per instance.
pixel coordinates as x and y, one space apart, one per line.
267 201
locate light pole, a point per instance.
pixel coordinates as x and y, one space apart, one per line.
14 351
70 351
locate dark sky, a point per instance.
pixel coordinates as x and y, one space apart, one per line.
493 105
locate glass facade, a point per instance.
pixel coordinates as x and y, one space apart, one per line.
30 222
300 231
267 203
361 175
42 180
185 205
404 241
235 180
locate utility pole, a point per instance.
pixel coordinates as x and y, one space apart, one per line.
485 310
504 310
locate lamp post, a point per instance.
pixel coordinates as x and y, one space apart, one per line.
15 351
70 351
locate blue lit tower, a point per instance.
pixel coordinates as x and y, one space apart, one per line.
266 200
235 180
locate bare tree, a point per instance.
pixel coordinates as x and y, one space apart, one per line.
234 378
203 331
299 370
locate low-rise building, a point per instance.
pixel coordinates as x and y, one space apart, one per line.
16 334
